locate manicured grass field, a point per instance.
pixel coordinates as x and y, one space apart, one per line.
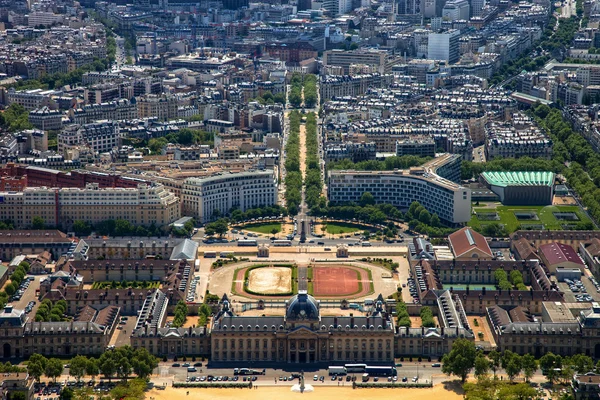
544 213
266 227
342 227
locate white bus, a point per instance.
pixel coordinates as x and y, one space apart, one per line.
337 370
355 367
247 242
282 242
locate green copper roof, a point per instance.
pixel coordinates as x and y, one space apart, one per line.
520 178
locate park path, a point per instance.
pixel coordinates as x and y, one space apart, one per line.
302 139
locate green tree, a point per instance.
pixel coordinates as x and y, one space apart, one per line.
482 366
551 364
37 366
529 364
367 199
512 364
460 360
81 228
78 367
54 368
143 363
92 368
38 223
581 363
107 365
500 275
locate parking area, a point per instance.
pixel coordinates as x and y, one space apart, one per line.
580 290
192 294
28 299
123 332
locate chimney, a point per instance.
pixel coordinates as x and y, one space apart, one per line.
467 290
335 322
457 331
483 290
423 330
351 321
442 331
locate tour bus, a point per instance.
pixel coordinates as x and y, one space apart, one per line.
337 370
247 242
366 244
210 254
355 367
282 242
380 371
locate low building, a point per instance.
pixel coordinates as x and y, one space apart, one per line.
521 188
466 244
16 242
555 255
17 383
586 386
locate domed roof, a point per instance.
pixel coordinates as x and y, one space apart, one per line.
302 307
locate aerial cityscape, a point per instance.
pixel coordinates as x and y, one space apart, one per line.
305 198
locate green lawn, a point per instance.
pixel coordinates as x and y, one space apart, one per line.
544 213
342 227
265 227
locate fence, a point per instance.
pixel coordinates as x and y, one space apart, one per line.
265 304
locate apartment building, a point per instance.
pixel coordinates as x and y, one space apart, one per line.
516 138
101 136
203 198
350 151
344 85
118 110
341 58
46 119
144 205
30 99
164 107
422 146
450 201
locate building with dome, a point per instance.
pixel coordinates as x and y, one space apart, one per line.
303 335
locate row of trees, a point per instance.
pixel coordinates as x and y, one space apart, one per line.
313 182
295 95
47 311
270 98
464 358
503 282
422 221
121 362
390 163
119 227
181 313
583 172
293 178
275 210
402 313
427 317
15 281
310 90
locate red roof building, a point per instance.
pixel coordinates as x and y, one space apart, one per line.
560 255
467 244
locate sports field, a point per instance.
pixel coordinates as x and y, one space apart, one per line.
270 280
528 217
